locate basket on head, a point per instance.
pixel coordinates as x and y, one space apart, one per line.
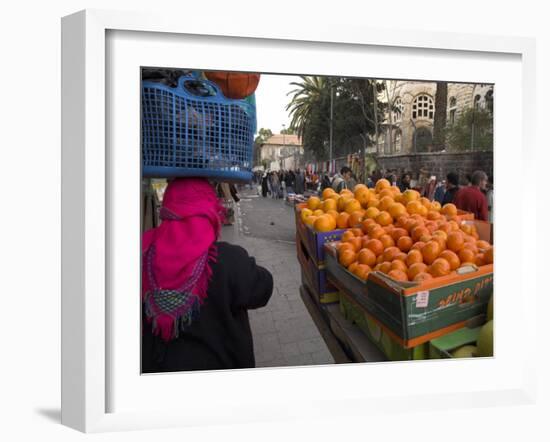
194 130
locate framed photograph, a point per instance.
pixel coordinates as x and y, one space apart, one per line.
105 55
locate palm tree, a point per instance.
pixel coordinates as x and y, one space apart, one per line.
308 96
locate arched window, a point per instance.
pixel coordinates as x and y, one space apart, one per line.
423 107
397 112
452 110
397 140
477 102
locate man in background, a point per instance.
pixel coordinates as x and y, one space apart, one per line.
452 188
343 180
405 182
472 199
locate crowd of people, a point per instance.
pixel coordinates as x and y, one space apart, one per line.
277 184
473 194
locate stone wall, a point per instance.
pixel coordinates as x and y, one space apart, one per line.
439 164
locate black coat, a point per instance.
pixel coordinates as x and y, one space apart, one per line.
220 338
449 195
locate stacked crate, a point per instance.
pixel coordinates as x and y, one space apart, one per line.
311 256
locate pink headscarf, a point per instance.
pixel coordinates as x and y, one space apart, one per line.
177 255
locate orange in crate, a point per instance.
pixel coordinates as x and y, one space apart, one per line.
405 243
355 218
466 255
375 245
449 210
387 241
440 267
342 222
325 223
377 232
362 271
421 277
397 264
391 253
452 257
418 246
384 218
414 256
398 275
352 205
398 232
346 257
455 241
366 256
328 192
415 269
430 251
356 243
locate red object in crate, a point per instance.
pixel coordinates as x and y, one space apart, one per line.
233 84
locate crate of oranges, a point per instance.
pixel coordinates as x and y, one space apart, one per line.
416 266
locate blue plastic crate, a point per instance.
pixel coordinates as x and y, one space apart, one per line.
195 131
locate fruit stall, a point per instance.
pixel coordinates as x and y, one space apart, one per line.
391 275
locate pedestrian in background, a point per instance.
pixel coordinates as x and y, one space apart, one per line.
325 182
451 188
284 183
265 186
343 180
370 182
429 188
292 181
274 185
471 198
440 191
392 178
405 182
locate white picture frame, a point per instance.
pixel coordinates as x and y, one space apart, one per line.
90 186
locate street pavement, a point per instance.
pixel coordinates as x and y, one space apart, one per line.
284 334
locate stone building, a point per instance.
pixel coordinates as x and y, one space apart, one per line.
409 128
282 151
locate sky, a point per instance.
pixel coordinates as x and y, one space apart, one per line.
271 100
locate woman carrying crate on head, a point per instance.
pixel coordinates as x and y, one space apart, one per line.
196 289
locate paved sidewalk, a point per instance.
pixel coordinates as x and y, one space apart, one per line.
284 333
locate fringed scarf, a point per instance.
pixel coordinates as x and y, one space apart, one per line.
177 255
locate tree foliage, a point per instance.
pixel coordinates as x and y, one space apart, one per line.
263 136
288 131
480 121
353 114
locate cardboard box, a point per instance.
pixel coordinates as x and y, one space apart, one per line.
314 241
315 277
378 334
417 313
